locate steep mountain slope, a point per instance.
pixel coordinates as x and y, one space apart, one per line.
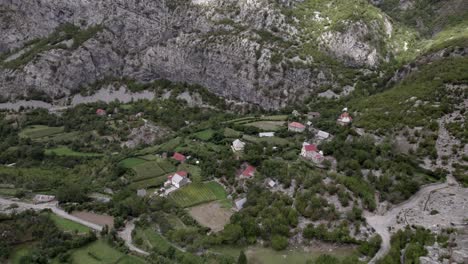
263 52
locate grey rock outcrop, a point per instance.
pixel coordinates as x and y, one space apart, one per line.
218 44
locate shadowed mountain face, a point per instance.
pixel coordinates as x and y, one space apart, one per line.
263 52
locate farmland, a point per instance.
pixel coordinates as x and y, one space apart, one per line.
100 252
204 135
131 162
67 225
198 193
65 151
39 131
152 169
267 125
150 239
269 140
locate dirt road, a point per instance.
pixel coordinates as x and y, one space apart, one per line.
125 234
382 223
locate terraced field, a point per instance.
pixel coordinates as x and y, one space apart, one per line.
39 131
198 193
65 151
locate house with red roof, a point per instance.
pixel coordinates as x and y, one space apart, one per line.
248 172
311 152
177 179
296 127
179 157
101 112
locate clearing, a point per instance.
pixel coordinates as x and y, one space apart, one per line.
100 252
211 215
267 125
204 135
97 219
67 225
131 162
38 131
65 151
198 193
268 140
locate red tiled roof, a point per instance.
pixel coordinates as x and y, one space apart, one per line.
345 114
310 147
179 157
182 173
296 125
100 111
249 171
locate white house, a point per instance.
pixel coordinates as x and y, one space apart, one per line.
271 183
311 152
239 203
344 119
296 127
178 179
238 145
266 134
322 135
42 198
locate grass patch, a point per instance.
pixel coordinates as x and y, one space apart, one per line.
131 162
39 131
65 151
100 252
19 252
267 125
67 225
197 193
268 140
147 170
204 135
231 133
148 183
195 171
151 239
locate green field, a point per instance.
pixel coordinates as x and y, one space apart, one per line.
149 183
8 191
150 239
131 162
147 170
205 134
60 137
38 131
269 140
100 252
231 133
67 225
260 255
267 125
19 252
198 193
65 151
194 171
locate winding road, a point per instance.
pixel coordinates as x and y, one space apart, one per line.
125 234
382 223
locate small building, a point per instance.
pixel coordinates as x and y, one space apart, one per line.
313 115
141 192
271 183
309 123
42 198
266 134
249 172
296 127
322 135
179 157
311 152
177 179
101 112
238 145
239 203
345 118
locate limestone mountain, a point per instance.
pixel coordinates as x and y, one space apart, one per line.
265 52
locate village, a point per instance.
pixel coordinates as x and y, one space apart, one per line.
305 177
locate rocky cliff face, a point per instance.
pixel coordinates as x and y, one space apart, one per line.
242 50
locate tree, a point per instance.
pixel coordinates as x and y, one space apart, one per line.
242 258
71 192
279 242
